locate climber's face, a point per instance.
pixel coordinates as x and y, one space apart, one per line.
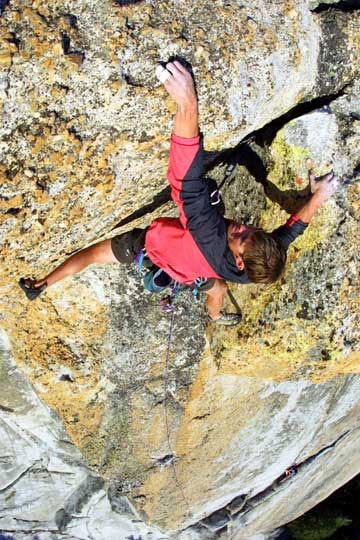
238 235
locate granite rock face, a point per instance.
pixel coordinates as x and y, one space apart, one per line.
46 485
198 431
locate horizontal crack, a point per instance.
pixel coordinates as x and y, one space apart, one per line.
132 82
240 505
200 416
297 466
292 471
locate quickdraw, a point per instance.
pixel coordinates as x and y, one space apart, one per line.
167 302
196 287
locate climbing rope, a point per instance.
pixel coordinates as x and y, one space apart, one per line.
167 426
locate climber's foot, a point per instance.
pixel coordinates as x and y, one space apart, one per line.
227 319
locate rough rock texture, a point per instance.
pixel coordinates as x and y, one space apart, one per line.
196 439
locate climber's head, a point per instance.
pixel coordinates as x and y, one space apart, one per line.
256 252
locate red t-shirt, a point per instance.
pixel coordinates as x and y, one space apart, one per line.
195 244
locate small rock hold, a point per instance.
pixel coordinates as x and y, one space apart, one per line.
66 377
5 59
76 58
165 460
65 42
13 211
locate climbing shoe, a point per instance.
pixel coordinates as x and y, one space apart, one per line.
28 286
226 319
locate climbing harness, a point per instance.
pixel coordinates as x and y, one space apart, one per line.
156 280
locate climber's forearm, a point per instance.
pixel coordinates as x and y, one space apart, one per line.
322 187
308 211
186 123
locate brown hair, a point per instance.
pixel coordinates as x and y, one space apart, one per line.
264 258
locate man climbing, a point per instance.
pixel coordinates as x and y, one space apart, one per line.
199 248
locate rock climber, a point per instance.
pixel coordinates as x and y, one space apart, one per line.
200 248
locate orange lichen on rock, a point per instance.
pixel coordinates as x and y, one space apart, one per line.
57 338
